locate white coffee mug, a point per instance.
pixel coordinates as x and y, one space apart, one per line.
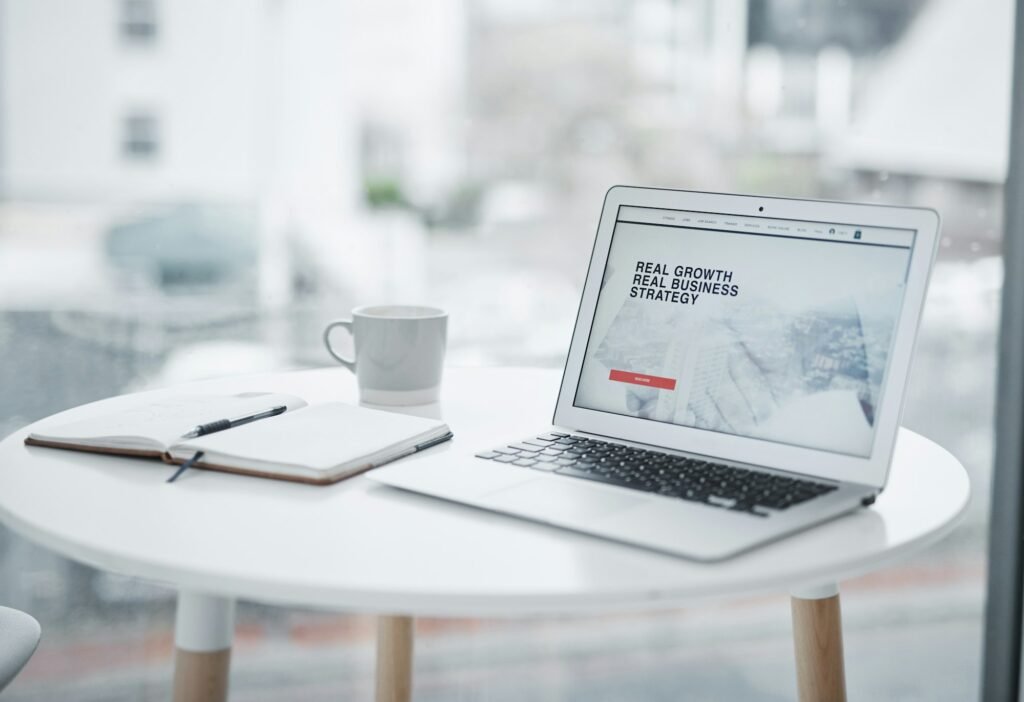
399 352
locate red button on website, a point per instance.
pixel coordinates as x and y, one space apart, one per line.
652 381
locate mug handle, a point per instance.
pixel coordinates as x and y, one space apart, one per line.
349 363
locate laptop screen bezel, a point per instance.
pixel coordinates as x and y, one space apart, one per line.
871 470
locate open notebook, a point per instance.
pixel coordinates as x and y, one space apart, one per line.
308 443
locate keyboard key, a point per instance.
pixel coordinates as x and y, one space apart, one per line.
523 447
587 475
526 462
719 501
536 442
506 459
488 454
506 449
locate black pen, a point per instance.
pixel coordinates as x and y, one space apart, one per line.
222 424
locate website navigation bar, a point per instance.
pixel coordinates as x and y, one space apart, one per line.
851 233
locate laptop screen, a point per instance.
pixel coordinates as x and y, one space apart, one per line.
773 329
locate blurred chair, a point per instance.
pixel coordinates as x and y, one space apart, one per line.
19 636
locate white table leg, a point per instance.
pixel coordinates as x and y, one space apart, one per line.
394 659
203 629
818 640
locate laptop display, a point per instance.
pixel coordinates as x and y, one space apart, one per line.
768 328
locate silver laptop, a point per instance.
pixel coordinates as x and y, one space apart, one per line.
736 374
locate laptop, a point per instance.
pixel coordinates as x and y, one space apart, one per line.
736 374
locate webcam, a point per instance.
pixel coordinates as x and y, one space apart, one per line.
761 208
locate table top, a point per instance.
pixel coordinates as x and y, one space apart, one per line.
360 546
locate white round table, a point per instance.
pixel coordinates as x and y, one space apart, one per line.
359 546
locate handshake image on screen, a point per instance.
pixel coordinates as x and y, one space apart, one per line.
809 377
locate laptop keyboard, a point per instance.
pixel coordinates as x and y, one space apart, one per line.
666 474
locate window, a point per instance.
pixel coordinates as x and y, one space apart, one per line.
138 21
140 139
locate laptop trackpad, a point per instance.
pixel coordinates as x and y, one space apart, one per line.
552 499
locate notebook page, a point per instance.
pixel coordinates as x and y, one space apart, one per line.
160 423
319 437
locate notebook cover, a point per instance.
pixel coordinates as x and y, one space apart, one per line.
137 453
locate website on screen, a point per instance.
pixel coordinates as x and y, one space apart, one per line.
766 328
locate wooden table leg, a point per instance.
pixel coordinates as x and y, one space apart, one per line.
394 659
818 639
203 629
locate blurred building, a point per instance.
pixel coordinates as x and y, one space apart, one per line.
133 109
960 58
275 116
139 100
